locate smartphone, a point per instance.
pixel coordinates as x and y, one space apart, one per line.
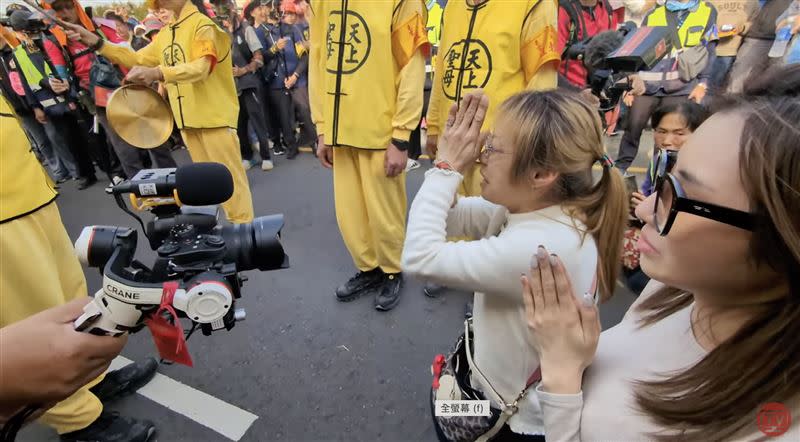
631 184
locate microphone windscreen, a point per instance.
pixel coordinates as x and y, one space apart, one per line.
203 184
601 46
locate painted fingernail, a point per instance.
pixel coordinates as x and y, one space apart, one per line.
541 253
588 299
553 259
534 262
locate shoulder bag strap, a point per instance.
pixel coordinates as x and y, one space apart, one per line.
507 410
673 24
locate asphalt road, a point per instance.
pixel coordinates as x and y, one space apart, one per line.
310 367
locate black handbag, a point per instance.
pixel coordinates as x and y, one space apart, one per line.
453 383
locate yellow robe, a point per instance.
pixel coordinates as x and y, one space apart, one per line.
502 47
196 89
24 185
366 77
194 55
38 267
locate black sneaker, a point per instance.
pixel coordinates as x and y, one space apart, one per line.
86 182
432 290
111 427
359 285
389 295
292 154
126 380
278 150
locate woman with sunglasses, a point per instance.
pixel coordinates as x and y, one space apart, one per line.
672 123
711 351
537 188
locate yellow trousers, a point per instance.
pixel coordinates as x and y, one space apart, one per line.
370 208
39 270
471 185
221 145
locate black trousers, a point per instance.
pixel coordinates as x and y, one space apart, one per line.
302 112
640 112
102 153
76 135
281 109
415 150
251 111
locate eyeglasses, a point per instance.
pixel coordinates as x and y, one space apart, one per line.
489 149
671 199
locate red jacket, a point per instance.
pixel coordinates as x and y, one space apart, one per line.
82 64
596 21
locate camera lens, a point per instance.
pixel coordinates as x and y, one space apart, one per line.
96 244
256 245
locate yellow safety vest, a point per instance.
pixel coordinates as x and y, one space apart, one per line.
693 29
482 47
363 48
32 74
24 185
210 103
434 25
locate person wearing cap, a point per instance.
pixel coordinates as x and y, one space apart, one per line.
140 39
51 104
152 25
367 69
74 56
193 59
41 271
14 88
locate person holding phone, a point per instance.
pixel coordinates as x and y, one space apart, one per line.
673 124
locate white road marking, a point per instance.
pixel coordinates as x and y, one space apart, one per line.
218 415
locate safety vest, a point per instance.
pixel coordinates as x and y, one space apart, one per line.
24 185
434 25
34 77
482 48
354 83
693 28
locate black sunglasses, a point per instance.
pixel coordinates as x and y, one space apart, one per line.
671 199
663 164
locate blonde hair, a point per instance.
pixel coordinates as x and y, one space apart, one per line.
559 131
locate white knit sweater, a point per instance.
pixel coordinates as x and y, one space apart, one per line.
491 267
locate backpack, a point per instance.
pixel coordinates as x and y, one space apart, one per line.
577 26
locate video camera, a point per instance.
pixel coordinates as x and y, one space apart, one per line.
612 56
31 23
203 257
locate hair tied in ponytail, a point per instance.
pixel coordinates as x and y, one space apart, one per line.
605 161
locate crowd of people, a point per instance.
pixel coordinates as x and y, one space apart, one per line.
65 115
512 208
